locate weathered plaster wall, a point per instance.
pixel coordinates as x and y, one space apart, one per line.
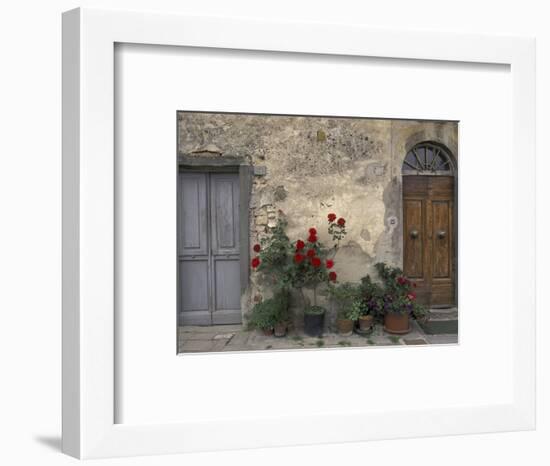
317 165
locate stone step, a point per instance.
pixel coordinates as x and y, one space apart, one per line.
441 321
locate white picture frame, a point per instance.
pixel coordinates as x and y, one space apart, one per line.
89 38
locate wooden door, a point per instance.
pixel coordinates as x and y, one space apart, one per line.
209 249
428 237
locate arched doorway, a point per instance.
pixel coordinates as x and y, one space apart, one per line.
429 223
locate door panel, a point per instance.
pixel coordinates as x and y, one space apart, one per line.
193 229
209 251
225 248
228 294
413 218
428 259
194 292
193 249
194 289
441 267
225 213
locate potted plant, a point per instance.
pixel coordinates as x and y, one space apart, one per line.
263 316
366 321
311 267
372 295
301 265
399 300
280 328
346 298
270 315
314 319
349 317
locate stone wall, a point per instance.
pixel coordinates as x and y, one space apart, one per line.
317 165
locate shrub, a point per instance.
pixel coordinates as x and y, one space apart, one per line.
266 314
301 263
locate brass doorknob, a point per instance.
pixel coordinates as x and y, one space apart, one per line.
414 234
441 234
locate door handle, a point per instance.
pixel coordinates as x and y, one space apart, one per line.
441 234
414 234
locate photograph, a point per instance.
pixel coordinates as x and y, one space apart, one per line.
311 232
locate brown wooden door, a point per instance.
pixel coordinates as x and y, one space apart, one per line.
428 237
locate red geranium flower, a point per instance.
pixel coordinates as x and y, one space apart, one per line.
401 280
332 276
312 238
298 258
330 263
331 217
255 262
341 221
316 262
311 253
300 245
257 248
412 296
312 231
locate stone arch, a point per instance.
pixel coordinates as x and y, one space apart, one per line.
428 158
434 136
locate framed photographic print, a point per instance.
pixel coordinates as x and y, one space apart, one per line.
257 219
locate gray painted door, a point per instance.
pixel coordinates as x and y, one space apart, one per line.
209 250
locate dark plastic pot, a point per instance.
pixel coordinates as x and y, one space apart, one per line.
313 324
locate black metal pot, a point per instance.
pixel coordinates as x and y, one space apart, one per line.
314 324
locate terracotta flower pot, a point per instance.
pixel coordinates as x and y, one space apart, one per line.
396 322
280 330
365 323
345 327
267 332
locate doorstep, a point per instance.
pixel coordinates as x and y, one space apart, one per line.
441 321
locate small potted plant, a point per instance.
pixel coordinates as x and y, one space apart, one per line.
348 317
345 324
314 319
346 297
263 316
280 328
372 300
399 300
366 321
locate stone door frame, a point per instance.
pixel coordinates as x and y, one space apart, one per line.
226 164
419 139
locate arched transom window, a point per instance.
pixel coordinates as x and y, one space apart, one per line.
427 159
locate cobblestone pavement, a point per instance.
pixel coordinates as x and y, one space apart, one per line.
223 338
